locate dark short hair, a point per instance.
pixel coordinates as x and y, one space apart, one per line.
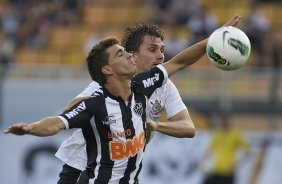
98 58
133 35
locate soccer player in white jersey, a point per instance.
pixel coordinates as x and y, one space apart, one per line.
115 142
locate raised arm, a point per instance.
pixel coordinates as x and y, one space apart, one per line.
192 54
44 127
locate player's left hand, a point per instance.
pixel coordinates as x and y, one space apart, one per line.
233 21
18 129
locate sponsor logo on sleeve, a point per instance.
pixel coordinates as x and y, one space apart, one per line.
74 112
151 81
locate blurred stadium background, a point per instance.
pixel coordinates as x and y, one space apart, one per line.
42 49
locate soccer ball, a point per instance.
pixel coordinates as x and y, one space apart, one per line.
228 48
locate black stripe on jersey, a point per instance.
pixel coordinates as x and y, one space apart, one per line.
128 124
138 172
91 147
104 173
144 118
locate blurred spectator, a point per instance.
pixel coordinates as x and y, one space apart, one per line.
257 28
201 24
276 49
10 25
6 52
38 24
10 21
226 142
174 43
173 11
162 11
98 34
70 11
182 10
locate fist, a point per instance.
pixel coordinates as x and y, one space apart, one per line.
151 125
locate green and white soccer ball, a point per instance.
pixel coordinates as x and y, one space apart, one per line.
228 48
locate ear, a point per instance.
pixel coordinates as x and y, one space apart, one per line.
107 70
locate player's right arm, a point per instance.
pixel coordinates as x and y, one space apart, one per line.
45 127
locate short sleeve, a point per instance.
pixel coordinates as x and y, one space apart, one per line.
173 103
91 88
79 115
147 82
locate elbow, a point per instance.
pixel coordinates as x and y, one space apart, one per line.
190 132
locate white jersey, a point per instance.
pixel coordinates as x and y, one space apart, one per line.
73 150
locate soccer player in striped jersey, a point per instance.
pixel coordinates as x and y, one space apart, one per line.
145 41
113 119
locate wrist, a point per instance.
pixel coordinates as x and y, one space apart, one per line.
156 127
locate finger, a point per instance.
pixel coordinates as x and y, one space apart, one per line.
9 130
234 21
6 131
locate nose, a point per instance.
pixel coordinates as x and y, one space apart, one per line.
160 57
131 55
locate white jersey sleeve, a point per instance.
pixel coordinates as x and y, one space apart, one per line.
173 103
91 88
165 98
73 150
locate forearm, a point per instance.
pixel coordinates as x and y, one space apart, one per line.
46 127
186 57
181 129
191 54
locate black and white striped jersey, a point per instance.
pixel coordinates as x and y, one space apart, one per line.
114 130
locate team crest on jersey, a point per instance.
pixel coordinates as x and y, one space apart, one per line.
109 120
156 107
138 109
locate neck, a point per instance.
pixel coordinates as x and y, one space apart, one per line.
118 87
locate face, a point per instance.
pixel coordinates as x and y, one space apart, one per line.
150 54
121 63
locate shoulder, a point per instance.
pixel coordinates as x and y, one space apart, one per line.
152 74
96 97
94 84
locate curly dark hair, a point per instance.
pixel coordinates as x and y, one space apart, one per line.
133 35
98 58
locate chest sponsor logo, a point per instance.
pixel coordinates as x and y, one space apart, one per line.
109 120
151 81
119 134
156 107
138 109
121 150
74 112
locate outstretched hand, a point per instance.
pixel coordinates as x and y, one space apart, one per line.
18 129
233 21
